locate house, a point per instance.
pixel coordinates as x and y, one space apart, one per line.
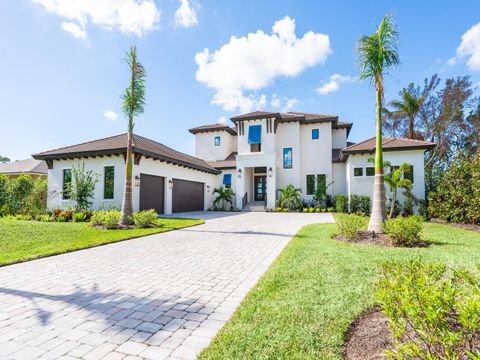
260 153
35 168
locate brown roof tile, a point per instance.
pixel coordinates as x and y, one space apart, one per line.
117 144
302 117
388 144
213 127
27 166
228 163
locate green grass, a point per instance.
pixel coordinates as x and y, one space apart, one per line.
302 307
26 240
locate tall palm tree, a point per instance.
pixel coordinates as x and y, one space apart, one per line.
377 53
133 105
406 108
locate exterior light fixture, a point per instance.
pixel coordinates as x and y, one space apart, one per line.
170 183
137 180
208 188
239 173
270 172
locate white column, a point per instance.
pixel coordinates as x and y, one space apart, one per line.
271 187
240 188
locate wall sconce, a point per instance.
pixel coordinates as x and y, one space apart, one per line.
239 173
208 188
170 183
270 172
137 180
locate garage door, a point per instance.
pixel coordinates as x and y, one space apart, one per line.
152 189
187 196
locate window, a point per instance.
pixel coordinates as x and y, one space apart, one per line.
315 134
67 180
408 174
287 158
358 171
310 184
370 171
314 181
227 180
217 140
260 170
255 134
108 182
255 147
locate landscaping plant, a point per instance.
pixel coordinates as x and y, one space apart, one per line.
145 218
404 231
349 224
433 312
360 204
82 187
341 203
396 180
290 197
19 193
107 219
224 196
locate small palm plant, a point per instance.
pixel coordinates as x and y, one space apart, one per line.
290 197
224 196
395 181
133 105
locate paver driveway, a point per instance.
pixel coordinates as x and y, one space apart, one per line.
160 296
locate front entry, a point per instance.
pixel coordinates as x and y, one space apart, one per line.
260 191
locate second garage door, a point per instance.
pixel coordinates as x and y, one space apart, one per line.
187 196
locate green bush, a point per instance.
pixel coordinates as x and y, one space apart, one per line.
37 200
360 204
45 218
145 218
305 210
341 203
348 224
79 216
404 231
107 219
4 194
278 209
20 190
331 209
433 312
24 217
61 218
311 210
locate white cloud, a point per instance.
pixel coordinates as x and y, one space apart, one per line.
222 120
333 83
470 47
452 61
74 29
110 115
284 104
186 16
249 63
128 16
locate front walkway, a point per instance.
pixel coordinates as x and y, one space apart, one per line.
156 297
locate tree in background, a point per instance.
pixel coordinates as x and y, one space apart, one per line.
224 196
133 105
82 187
4 159
377 53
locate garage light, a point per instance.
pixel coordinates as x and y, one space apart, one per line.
239 173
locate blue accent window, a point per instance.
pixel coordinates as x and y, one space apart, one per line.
287 158
315 134
217 140
227 180
255 134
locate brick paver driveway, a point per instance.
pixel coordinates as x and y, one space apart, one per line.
156 297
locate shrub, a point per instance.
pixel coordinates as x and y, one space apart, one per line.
360 204
145 218
4 194
20 190
61 218
79 217
305 210
348 224
45 218
82 187
24 217
108 219
278 209
408 205
341 203
311 210
433 312
37 200
404 231
318 210
331 209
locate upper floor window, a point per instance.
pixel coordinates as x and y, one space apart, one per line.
408 173
315 134
108 182
287 158
227 180
255 138
370 171
358 171
217 141
66 182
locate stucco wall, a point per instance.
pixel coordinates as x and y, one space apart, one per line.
339 171
268 139
288 136
339 138
205 145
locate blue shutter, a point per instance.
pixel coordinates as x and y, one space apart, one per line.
227 179
315 134
255 134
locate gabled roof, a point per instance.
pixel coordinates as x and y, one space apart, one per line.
116 145
388 144
27 166
229 163
213 127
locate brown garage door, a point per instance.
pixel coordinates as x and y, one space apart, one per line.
187 196
152 189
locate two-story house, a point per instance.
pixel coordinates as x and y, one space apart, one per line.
259 153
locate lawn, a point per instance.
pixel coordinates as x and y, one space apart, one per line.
26 240
302 307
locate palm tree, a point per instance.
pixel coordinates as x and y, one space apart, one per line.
224 195
395 180
376 54
290 197
406 108
133 105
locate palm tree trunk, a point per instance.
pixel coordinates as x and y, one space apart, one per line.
394 199
127 206
410 127
379 210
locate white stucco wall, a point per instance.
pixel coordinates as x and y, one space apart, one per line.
364 185
205 145
219 183
288 136
339 171
268 139
339 138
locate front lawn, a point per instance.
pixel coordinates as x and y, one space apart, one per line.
303 305
26 240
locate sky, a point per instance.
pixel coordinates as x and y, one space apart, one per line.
62 68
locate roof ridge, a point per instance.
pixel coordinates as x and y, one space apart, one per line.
82 143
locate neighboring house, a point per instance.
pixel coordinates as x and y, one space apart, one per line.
264 151
35 168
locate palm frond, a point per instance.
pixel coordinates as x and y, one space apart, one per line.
134 95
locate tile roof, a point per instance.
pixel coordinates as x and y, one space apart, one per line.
388 144
228 163
213 127
117 144
27 166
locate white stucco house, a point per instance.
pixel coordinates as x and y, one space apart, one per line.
260 153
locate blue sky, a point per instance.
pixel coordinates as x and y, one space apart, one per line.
62 68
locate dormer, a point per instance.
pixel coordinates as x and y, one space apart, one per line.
214 142
255 132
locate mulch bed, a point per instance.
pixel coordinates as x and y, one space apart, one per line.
366 237
472 227
368 337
